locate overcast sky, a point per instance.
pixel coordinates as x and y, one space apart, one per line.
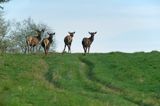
122 25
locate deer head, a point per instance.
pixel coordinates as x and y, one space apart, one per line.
51 34
71 33
92 33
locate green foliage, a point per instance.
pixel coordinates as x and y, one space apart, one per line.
113 79
2 1
4 26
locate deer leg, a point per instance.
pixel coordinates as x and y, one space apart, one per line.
28 48
88 49
84 49
45 51
33 49
48 48
36 48
69 47
39 48
64 48
25 49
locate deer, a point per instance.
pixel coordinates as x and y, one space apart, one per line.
86 42
33 41
68 41
46 42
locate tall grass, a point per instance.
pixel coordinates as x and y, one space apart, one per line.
113 79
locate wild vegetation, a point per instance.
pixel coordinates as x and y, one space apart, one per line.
22 33
113 79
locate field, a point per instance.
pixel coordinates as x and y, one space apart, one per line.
109 79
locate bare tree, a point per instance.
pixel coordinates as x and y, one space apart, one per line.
3 1
21 30
4 26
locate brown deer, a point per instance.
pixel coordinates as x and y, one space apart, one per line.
46 42
33 41
68 41
86 42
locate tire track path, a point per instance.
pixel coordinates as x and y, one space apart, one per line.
107 87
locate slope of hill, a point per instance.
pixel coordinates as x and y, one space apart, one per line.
113 79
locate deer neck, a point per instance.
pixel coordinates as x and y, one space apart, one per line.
91 38
71 36
39 37
50 39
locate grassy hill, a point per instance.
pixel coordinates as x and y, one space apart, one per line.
113 79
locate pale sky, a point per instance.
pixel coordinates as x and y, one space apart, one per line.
122 25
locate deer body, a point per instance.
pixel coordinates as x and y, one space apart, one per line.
86 42
68 41
33 41
46 42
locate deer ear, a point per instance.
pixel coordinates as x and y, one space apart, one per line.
43 30
38 31
73 32
89 32
95 33
48 33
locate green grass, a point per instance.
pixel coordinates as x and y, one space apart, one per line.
112 79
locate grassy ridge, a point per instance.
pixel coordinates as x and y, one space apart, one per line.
113 79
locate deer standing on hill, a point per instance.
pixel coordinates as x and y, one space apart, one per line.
46 42
86 42
33 41
68 41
